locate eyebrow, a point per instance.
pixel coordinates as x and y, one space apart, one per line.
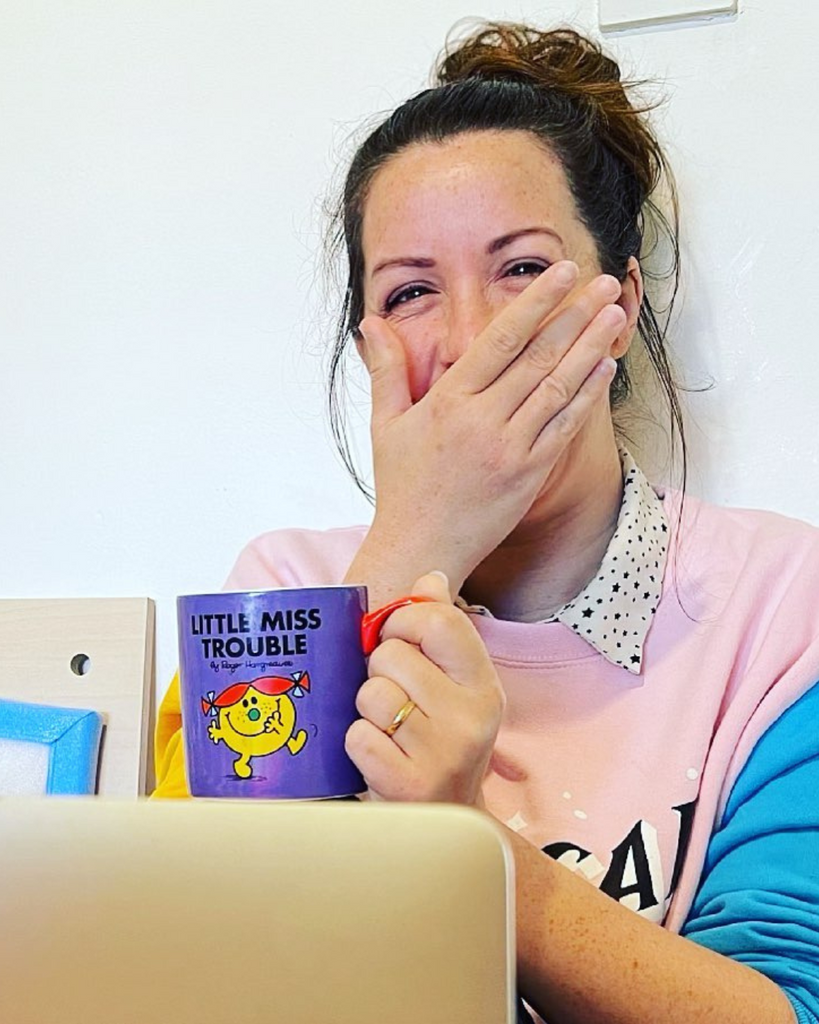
504 240
493 247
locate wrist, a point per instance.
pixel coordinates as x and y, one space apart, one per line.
390 560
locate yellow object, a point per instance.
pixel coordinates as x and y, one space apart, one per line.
262 726
257 725
171 780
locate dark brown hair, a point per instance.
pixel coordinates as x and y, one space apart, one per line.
561 88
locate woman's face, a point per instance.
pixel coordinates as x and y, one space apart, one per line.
453 231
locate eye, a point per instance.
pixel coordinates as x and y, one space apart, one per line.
253 700
244 703
525 268
404 295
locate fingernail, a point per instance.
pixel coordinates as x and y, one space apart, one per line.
613 315
443 575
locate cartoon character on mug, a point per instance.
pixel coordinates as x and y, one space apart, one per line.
256 719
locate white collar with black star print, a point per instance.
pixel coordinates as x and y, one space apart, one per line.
614 611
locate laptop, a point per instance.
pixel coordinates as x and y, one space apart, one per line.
198 912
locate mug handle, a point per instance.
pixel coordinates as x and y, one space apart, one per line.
373 621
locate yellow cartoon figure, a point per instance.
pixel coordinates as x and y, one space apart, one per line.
256 719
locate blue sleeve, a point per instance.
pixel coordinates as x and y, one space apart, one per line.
758 900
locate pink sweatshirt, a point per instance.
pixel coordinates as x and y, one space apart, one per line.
619 776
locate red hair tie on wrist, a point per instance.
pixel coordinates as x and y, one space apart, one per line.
372 622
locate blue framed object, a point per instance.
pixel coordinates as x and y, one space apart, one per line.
72 736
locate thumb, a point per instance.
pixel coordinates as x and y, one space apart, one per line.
386 362
434 585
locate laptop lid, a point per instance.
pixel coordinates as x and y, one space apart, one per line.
214 911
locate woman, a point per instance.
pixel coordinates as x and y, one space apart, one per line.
625 679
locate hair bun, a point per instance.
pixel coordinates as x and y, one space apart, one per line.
566 62
560 59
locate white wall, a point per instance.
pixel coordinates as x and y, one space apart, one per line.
161 167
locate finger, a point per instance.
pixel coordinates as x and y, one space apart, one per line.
433 585
383 763
560 430
446 637
434 588
417 676
557 338
386 362
379 700
556 390
508 334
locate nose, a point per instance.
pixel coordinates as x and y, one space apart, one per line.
254 714
469 314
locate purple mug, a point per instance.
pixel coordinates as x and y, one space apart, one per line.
268 681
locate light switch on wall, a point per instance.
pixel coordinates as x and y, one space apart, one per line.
622 14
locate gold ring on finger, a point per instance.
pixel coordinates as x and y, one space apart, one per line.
401 716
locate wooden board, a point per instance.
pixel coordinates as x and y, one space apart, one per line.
46 644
